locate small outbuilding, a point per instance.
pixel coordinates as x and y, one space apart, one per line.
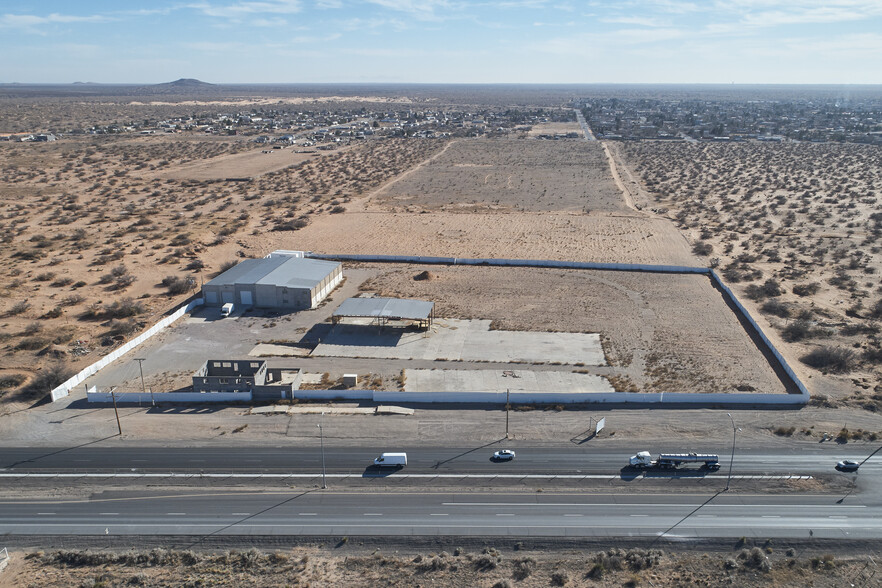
256 377
383 310
279 281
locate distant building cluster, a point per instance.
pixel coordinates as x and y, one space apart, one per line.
731 119
325 129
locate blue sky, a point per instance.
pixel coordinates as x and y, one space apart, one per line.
443 41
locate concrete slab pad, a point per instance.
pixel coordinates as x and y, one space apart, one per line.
502 380
462 340
271 350
394 410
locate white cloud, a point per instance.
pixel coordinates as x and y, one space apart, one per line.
31 23
269 22
420 9
239 10
636 20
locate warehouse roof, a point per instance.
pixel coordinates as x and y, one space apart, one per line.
285 272
388 308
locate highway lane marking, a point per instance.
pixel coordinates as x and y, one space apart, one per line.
465 525
573 515
771 516
45 513
439 514
180 514
8 474
373 514
108 513
629 504
507 514
307 514
639 515
240 514
271 494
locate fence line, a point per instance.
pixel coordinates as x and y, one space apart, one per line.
492 397
801 398
65 388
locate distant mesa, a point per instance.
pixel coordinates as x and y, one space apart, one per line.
187 83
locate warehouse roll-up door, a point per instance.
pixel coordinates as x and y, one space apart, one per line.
211 297
245 295
228 297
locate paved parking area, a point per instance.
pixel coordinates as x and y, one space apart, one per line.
462 340
502 380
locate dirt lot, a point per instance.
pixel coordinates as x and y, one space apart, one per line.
667 333
342 562
250 164
554 128
507 175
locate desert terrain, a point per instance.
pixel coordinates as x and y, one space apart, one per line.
795 230
103 234
342 562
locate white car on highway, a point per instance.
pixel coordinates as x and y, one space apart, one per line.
504 455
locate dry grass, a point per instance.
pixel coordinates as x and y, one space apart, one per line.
749 566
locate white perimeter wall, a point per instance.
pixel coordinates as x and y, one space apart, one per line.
65 388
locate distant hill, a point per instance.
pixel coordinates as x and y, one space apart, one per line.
186 83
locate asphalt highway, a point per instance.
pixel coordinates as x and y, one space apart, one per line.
540 459
674 516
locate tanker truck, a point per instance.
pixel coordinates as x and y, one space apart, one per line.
643 460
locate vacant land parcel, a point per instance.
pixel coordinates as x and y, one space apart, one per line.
661 332
510 174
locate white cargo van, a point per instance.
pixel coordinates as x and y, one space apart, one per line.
391 460
227 309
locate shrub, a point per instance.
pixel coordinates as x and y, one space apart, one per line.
702 248
122 327
123 308
560 578
61 282
10 381
291 225
195 264
45 380
806 289
797 331
228 265
54 313
179 284
776 308
19 307
833 359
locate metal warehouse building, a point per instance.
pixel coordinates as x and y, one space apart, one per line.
279 281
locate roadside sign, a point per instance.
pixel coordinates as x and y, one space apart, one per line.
600 424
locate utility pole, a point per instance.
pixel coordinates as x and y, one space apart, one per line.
732 460
507 410
322 437
144 388
115 411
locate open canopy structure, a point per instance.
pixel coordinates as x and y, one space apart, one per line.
387 309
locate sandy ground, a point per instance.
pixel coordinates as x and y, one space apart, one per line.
499 564
800 215
241 165
554 128
560 236
507 175
668 333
